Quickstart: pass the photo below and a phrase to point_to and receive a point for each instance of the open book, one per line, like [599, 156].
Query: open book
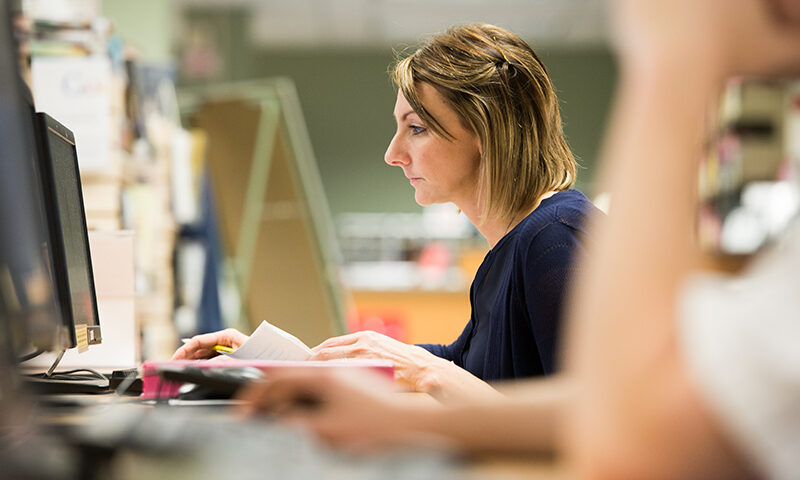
[269, 342]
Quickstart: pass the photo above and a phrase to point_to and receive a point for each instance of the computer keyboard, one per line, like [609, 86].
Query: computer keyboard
[209, 443]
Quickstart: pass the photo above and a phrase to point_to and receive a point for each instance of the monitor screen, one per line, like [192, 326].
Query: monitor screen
[29, 318]
[58, 162]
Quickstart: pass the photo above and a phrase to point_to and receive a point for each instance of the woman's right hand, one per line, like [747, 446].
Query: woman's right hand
[200, 346]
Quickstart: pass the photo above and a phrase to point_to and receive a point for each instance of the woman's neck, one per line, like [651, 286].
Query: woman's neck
[494, 229]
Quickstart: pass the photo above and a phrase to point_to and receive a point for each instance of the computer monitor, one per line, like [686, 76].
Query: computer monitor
[69, 240]
[29, 317]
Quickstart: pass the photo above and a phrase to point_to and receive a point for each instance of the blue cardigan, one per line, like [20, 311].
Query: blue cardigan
[518, 294]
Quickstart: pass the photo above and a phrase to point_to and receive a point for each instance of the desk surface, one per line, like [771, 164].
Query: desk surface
[474, 467]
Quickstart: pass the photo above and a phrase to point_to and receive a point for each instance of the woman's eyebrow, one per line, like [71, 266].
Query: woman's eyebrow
[405, 115]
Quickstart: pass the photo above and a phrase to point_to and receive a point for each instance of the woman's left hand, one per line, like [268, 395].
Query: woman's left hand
[414, 366]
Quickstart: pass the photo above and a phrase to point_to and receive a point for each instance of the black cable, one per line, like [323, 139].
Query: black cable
[94, 373]
[70, 375]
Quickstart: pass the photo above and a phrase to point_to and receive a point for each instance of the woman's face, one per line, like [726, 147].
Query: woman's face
[440, 170]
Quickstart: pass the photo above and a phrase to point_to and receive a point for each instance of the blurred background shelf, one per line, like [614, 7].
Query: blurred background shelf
[412, 315]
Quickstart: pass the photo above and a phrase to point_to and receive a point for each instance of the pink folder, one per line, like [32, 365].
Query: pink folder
[155, 387]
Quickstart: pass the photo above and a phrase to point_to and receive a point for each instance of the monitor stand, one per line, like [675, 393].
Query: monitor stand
[55, 363]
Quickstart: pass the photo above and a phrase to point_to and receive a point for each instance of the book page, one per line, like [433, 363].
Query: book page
[269, 342]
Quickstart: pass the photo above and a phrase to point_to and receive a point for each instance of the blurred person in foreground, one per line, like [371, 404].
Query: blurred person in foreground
[478, 124]
[670, 373]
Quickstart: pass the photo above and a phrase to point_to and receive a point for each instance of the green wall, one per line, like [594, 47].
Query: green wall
[584, 80]
[347, 101]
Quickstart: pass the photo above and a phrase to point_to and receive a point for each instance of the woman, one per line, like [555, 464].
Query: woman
[478, 125]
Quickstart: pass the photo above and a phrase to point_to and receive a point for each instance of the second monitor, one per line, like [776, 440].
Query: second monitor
[58, 164]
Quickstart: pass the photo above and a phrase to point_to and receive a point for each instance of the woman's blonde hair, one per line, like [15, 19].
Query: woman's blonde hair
[500, 89]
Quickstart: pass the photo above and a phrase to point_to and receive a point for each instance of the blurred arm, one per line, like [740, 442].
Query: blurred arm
[637, 415]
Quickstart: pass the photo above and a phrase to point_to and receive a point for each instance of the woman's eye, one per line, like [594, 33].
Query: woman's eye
[416, 130]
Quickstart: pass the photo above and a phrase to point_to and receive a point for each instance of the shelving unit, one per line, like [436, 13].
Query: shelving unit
[748, 182]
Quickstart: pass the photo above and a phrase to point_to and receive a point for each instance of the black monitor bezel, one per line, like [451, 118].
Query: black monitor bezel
[44, 123]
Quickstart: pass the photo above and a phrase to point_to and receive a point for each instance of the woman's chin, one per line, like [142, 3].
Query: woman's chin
[422, 200]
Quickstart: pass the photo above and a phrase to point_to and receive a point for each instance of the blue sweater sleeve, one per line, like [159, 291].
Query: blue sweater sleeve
[545, 278]
[442, 351]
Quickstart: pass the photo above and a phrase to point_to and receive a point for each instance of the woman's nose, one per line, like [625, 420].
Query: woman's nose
[395, 153]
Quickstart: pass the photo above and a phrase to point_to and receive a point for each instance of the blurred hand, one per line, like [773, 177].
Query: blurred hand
[350, 409]
[199, 346]
[725, 37]
[415, 367]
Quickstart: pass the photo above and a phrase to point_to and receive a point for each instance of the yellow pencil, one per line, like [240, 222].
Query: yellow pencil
[222, 349]
[216, 348]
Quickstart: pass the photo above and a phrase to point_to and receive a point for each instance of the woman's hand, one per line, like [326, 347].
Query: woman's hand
[199, 346]
[415, 367]
[350, 409]
[724, 37]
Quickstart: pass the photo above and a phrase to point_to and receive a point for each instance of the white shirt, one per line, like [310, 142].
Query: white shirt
[741, 341]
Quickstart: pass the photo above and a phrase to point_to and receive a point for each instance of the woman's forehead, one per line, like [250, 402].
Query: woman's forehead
[430, 99]
[435, 103]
